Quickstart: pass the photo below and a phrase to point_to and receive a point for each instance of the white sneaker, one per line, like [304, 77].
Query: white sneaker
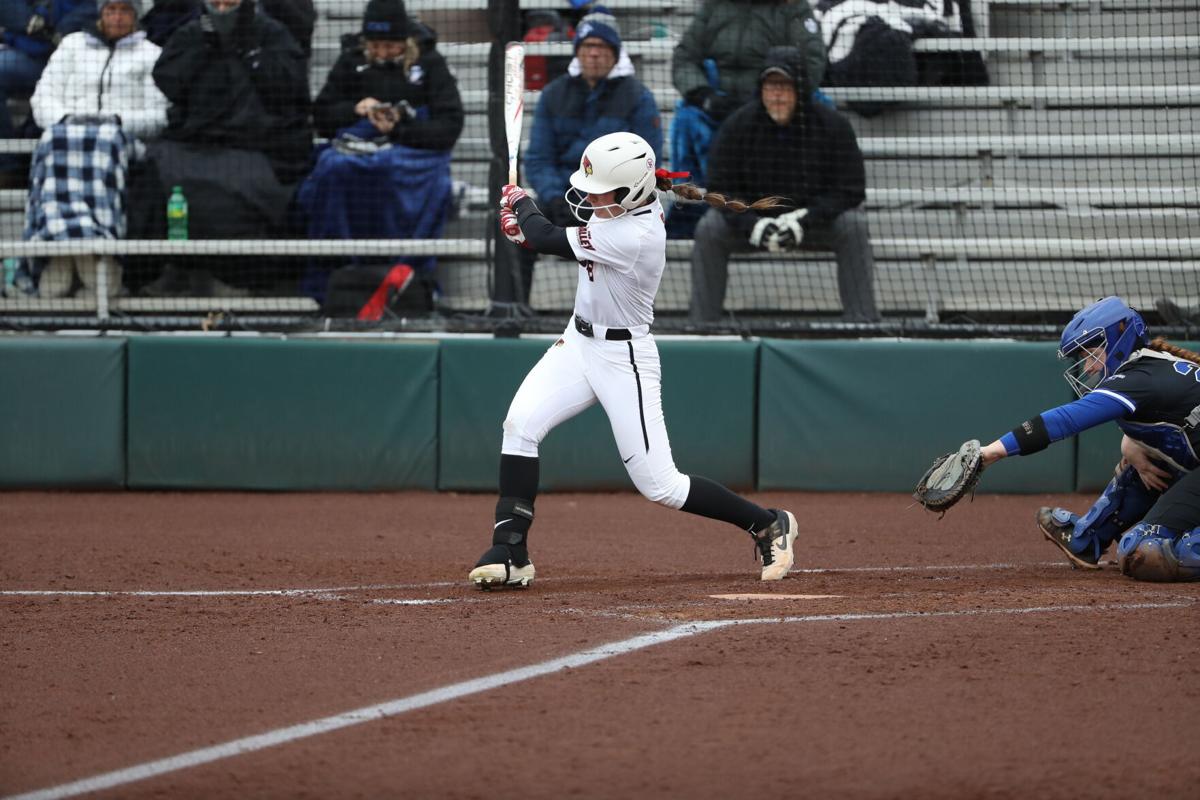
[489, 576]
[774, 546]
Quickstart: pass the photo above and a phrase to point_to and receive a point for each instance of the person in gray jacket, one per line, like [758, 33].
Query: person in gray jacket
[715, 68]
[734, 36]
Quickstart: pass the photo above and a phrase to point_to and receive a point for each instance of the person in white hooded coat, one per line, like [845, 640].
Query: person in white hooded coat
[97, 101]
[103, 72]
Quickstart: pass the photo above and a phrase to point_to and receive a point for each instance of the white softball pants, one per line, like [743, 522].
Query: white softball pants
[624, 377]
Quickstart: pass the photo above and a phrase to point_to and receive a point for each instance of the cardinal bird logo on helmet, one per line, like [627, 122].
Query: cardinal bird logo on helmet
[587, 166]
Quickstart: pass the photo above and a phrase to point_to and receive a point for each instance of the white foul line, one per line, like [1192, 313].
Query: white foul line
[333, 590]
[455, 691]
[217, 592]
[928, 567]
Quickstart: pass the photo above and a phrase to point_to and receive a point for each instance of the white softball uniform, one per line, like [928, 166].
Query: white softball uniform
[621, 261]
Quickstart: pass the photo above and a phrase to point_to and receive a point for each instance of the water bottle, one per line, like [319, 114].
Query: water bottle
[10, 272]
[177, 214]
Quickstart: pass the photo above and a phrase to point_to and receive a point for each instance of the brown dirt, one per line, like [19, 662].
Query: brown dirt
[959, 697]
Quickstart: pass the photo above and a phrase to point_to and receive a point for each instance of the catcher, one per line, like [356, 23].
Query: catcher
[1151, 389]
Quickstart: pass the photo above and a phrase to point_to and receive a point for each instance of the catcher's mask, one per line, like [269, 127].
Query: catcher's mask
[1098, 340]
[620, 162]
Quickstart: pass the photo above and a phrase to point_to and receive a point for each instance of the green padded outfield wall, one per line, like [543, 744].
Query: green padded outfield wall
[278, 414]
[708, 400]
[63, 424]
[871, 415]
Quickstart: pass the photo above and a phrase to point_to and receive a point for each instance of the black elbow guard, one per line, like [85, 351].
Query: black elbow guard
[1032, 436]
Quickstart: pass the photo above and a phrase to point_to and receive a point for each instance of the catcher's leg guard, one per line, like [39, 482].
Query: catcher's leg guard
[1124, 501]
[1158, 554]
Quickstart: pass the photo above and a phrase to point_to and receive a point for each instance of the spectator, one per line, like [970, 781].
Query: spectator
[298, 16]
[95, 99]
[715, 68]
[29, 32]
[237, 140]
[790, 146]
[394, 112]
[598, 95]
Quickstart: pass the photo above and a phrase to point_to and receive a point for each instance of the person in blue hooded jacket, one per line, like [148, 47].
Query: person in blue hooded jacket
[29, 32]
[598, 95]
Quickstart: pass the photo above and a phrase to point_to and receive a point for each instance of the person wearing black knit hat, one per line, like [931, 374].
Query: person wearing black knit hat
[385, 20]
[392, 110]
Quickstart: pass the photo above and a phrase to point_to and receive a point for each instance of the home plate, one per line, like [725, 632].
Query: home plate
[776, 596]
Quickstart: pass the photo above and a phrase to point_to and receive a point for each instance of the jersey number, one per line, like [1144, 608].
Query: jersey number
[1187, 368]
[591, 269]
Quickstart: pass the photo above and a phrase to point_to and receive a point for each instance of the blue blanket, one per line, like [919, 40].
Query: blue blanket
[397, 192]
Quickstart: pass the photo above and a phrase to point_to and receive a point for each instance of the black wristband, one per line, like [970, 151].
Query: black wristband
[1032, 436]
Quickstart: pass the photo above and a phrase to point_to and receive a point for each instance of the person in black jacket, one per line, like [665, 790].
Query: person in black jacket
[238, 139]
[806, 153]
[167, 16]
[393, 113]
[396, 80]
[236, 78]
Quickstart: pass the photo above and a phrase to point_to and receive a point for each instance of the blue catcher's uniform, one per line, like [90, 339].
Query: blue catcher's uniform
[1154, 397]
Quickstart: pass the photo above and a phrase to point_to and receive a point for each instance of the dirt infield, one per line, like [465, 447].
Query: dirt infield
[957, 658]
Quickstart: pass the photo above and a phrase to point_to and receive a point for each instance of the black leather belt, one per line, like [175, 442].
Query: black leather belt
[612, 334]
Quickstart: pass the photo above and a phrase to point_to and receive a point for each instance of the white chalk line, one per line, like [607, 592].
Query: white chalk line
[334, 591]
[456, 691]
[929, 568]
[330, 592]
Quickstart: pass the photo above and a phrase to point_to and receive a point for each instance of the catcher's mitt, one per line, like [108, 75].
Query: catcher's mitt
[950, 477]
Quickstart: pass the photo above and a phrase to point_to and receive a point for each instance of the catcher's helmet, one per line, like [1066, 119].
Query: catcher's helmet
[620, 162]
[1108, 326]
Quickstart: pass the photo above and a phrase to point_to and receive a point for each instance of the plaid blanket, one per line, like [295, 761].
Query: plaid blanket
[77, 182]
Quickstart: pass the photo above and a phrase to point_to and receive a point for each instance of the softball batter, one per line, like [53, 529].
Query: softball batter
[607, 355]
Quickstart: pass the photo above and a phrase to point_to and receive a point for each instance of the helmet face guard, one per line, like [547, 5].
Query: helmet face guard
[1090, 366]
[1100, 338]
[584, 211]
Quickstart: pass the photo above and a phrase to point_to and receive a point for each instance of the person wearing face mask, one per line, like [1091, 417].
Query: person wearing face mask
[96, 101]
[393, 112]
[237, 140]
[167, 16]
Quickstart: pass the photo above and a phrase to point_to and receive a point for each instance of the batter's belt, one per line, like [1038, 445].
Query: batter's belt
[589, 330]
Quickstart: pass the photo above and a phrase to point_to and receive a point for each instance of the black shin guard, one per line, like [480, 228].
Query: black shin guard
[514, 515]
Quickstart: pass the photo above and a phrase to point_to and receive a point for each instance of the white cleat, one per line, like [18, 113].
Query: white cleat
[490, 576]
[774, 545]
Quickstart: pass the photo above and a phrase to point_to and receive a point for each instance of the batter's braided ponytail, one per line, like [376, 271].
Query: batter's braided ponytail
[1161, 345]
[689, 191]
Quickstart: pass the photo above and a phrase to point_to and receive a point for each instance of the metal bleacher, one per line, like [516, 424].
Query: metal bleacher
[1075, 168]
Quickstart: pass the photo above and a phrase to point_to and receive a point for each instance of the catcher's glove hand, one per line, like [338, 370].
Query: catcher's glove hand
[950, 477]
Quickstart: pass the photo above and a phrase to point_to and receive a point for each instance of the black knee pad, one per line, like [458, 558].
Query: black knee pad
[514, 515]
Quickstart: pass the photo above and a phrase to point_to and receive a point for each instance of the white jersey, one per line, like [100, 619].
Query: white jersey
[621, 262]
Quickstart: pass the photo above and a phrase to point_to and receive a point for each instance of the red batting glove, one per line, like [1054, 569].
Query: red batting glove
[511, 228]
[509, 195]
